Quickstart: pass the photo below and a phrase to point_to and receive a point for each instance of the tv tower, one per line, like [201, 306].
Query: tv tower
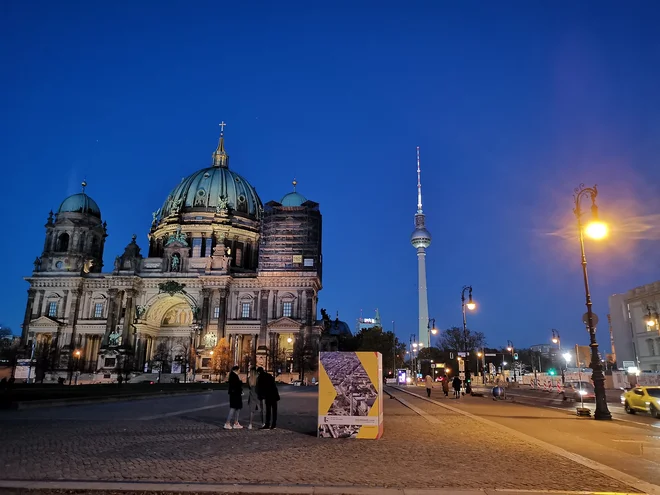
[421, 239]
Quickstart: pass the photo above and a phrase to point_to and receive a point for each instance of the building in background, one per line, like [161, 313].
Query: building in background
[367, 323]
[218, 265]
[421, 239]
[636, 342]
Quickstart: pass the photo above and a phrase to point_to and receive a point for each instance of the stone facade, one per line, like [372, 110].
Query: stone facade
[217, 266]
[634, 341]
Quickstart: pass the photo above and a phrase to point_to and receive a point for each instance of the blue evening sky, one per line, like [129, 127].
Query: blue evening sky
[512, 103]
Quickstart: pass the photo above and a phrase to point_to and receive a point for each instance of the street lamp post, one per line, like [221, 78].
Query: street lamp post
[509, 347]
[596, 230]
[476, 368]
[432, 330]
[289, 341]
[471, 306]
[556, 339]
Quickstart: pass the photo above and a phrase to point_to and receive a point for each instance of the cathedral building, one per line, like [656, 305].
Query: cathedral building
[219, 264]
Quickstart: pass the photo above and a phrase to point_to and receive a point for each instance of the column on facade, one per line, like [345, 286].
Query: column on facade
[109, 322]
[204, 312]
[149, 350]
[309, 296]
[274, 313]
[253, 350]
[28, 315]
[42, 302]
[62, 310]
[128, 318]
[263, 329]
[222, 317]
[95, 350]
[73, 315]
[299, 309]
[86, 351]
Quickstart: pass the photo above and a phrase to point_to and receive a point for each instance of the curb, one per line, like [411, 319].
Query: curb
[37, 404]
[239, 489]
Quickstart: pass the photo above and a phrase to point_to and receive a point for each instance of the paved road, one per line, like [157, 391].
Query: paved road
[544, 399]
[180, 439]
[633, 449]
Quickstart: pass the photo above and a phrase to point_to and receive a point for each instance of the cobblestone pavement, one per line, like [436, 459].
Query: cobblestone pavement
[457, 453]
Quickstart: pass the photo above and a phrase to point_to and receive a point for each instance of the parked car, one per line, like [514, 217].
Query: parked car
[578, 391]
[146, 378]
[642, 399]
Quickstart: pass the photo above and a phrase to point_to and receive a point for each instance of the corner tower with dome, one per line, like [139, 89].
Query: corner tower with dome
[218, 265]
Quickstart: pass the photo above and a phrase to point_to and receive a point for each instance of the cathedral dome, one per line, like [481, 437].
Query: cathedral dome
[80, 203]
[293, 198]
[213, 189]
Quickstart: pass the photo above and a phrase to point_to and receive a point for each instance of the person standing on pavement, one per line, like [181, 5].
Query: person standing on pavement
[267, 390]
[429, 385]
[445, 385]
[235, 389]
[456, 384]
[254, 404]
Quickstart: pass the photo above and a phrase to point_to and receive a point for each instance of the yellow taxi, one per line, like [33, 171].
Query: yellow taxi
[642, 399]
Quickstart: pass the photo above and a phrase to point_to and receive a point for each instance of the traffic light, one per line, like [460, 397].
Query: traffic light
[552, 372]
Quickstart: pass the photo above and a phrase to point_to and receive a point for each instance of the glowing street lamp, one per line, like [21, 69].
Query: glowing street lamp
[556, 339]
[567, 357]
[596, 230]
[509, 347]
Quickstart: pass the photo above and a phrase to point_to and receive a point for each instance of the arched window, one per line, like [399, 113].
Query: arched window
[63, 242]
[649, 343]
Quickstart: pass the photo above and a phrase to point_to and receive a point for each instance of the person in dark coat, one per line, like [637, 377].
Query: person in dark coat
[456, 385]
[267, 390]
[235, 389]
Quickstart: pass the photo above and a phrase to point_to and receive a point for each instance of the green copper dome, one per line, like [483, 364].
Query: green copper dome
[293, 199]
[215, 189]
[80, 203]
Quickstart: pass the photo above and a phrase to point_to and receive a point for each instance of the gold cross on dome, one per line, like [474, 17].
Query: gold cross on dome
[222, 127]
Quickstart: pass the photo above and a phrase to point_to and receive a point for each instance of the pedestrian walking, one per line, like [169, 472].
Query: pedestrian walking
[445, 386]
[456, 384]
[429, 385]
[254, 404]
[235, 389]
[267, 390]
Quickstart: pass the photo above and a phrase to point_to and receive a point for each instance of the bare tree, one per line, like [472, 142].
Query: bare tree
[163, 355]
[221, 359]
[183, 344]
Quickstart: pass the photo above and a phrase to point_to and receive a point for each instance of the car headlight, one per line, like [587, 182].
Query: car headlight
[582, 392]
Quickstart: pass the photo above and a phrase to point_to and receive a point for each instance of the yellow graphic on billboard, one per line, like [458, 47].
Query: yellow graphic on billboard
[350, 395]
